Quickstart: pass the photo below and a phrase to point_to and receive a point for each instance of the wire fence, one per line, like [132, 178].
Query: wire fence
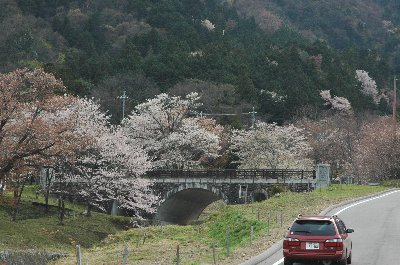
[182, 252]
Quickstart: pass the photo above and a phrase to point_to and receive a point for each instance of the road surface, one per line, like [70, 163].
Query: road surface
[376, 240]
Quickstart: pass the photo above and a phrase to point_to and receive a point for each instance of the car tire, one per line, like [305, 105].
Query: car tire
[287, 262]
[343, 262]
[349, 259]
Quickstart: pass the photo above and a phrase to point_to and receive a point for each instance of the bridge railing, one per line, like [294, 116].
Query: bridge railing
[233, 174]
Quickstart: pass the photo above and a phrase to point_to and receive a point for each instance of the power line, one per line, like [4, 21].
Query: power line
[252, 113]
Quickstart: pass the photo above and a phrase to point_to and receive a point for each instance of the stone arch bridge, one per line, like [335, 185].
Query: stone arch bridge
[186, 193]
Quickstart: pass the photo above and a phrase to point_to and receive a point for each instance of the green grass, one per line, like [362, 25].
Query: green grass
[36, 229]
[238, 225]
[102, 237]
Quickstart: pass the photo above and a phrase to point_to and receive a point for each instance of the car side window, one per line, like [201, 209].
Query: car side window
[341, 227]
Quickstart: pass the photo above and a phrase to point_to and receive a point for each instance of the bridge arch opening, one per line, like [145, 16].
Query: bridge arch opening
[259, 195]
[185, 206]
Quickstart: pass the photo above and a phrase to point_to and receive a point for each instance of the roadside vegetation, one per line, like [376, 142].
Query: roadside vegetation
[102, 237]
[36, 231]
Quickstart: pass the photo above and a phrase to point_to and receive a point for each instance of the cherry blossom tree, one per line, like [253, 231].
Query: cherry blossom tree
[24, 132]
[208, 25]
[335, 103]
[105, 166]
[39, 126]
[332, 138]
[271, 146]
[170, 137]
[27, 137]
[377, 152]
[368, 85]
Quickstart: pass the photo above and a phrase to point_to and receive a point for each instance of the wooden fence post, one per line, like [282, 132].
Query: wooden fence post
[177, 255]
[251, 235]
[144, 237]
[214, 256]
[78, 255]
[227, 240]
[125, 254]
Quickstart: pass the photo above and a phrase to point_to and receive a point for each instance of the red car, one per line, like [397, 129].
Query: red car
[318, 238]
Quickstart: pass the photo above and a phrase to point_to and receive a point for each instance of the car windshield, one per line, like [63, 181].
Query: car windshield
[313, 228]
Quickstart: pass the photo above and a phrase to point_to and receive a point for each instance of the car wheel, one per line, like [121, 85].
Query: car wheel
[343, 262]
[287, 262]
[349, 259]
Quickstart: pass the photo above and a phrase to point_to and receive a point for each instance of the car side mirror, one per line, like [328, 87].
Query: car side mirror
[348, 231]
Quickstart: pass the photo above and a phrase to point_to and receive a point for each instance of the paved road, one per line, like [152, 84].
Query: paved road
[376, 240]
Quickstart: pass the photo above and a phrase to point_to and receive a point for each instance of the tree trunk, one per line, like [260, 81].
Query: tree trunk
[17, 199]
[46, 200]
[89, 209]
[62, 211]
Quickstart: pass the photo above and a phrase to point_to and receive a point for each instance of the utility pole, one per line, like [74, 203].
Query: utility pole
[253, 118]
[123, 98]
[394, 103]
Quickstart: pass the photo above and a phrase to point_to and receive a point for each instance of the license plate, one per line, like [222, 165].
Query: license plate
[312, 245]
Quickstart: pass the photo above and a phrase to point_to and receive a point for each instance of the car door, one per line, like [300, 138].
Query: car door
[344, 235]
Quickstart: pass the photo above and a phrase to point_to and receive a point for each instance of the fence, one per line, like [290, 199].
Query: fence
[180, 253]
[229, 174]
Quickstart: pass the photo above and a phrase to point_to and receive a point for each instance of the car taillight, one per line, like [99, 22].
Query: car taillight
[290, 242]
[336, 243]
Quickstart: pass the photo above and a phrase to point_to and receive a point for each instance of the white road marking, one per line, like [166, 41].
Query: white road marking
[348, 207]
[278, 262]
[367, 200]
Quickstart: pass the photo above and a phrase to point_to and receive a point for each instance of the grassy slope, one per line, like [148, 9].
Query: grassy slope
[196, 241]
[35, 229]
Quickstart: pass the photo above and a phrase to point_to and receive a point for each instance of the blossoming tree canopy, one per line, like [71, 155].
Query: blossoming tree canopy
[170, 137]
[105, 163]
[271, 146]
[39, 125]
[25, 133]
[368, 85]
[340, 104]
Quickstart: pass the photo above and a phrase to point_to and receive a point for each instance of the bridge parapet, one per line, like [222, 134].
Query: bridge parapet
[232, 175]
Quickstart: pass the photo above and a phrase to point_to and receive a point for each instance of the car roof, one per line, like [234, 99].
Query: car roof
[316, 217]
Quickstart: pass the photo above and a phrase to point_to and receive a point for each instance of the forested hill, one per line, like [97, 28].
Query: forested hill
[274, 55]
[368, 24]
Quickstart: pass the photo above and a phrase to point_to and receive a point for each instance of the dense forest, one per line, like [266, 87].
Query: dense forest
[275, 56]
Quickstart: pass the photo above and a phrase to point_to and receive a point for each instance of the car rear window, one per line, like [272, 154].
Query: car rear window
[313, 228]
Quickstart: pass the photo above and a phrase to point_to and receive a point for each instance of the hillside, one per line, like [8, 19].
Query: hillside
[365, 24]
[237, 54]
